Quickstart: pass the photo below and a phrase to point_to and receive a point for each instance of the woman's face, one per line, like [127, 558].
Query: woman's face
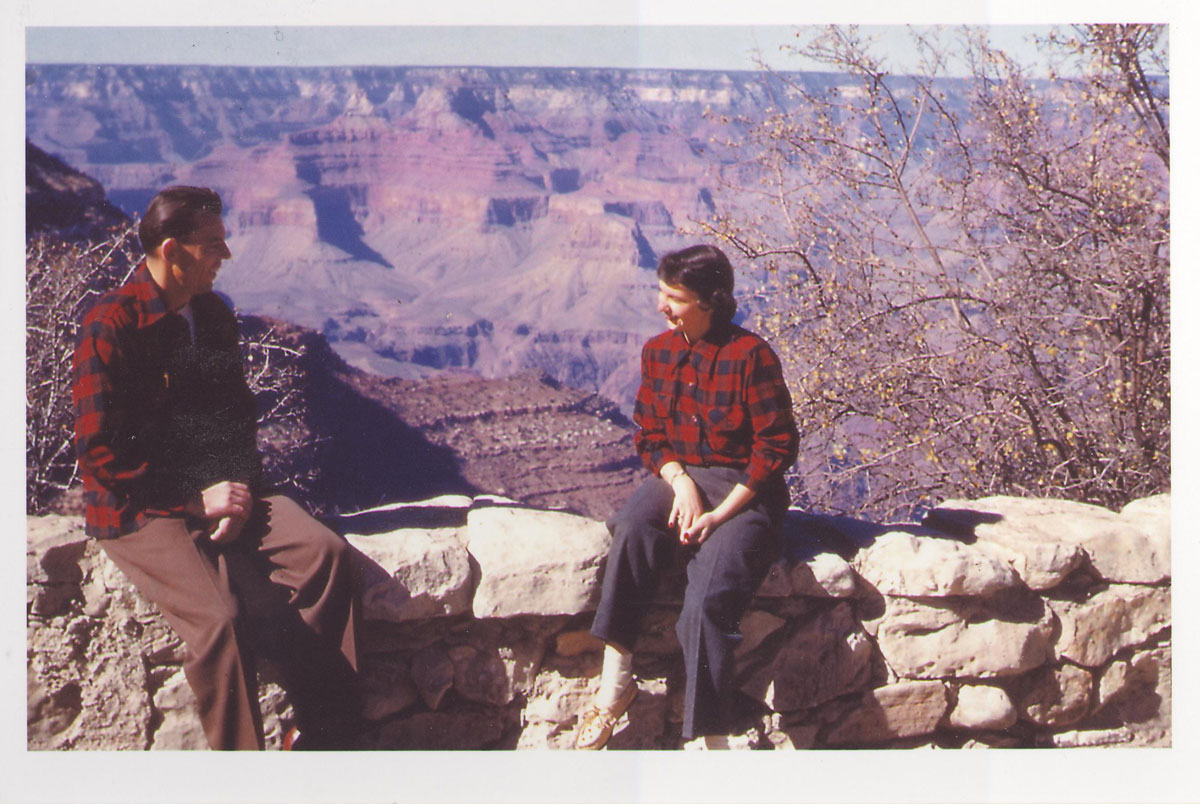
[683, 310]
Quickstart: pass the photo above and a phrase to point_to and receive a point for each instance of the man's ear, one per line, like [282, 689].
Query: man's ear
[169, 250]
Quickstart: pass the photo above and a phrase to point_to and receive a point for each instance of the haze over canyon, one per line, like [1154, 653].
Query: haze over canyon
[493, 220]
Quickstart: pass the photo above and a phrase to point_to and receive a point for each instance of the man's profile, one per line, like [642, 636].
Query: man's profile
[165, 433]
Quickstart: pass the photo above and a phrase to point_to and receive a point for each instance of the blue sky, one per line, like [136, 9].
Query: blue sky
[682, 34]
[721, 47]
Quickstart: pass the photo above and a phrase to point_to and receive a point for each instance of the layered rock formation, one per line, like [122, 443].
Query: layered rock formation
[63, 201]
[997, 623]
[496, 220]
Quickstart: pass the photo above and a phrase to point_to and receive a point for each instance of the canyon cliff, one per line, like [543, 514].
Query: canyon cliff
[493, 220]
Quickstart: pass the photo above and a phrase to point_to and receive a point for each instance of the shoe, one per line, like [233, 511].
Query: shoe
[596, 725]
[290, 739]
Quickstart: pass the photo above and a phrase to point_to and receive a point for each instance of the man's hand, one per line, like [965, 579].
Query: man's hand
[227, 498]
[227, 530]
[228, 503]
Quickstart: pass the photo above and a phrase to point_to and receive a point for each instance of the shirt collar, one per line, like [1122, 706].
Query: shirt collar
[152, 304]
[708, 344]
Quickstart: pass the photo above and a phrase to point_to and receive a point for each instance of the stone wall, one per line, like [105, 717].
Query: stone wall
[999, 622]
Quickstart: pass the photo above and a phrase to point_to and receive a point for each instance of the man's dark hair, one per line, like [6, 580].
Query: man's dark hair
[176, 212]
[705, 271]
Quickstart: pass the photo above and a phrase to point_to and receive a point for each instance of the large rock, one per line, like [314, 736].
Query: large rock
[756, 626]
[825, 575]
[926, 565]
[495, 663]
[535, 562]
[1153, 514]
[1132, 547]
[479, 675]
[1139, 696]
[54, 546]
[180, 728]
[1057, 696]
[433, 675]
[981, 707]
[91, 681]
[387, 687]
[558, 699]
[825, 657]
[413, 573]
[1123, 680]
[959, 638]
[50, 713]
[904, 709]
[1115, 618]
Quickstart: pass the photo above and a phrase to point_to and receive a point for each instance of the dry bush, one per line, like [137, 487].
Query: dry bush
[62, 281]
[276, 375]
[967, 281]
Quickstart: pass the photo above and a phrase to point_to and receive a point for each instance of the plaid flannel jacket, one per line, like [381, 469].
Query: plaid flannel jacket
[158, 417]
[719, 402]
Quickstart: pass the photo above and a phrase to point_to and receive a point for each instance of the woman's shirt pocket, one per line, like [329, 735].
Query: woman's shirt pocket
[727, 429]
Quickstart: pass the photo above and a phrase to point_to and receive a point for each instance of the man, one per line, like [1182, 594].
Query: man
[165, 435]
[717, 431]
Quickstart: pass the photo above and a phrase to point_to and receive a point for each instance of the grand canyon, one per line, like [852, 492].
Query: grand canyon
[497, 221]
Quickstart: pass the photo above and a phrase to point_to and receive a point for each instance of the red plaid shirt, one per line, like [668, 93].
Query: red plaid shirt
[157, 417]
[718, 402]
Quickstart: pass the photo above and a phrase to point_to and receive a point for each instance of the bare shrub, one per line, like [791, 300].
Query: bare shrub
[276, 375]
[968, 288]
[63, 279]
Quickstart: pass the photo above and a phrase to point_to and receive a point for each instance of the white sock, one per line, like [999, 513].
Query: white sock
[616, 675]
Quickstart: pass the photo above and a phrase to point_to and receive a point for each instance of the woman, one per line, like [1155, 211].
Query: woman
[716, 429]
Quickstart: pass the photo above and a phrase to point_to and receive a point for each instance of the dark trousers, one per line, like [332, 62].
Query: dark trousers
[282, 590]
[722, 576]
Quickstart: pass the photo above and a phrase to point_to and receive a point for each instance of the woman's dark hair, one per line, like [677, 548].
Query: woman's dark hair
[176, 212]
[705, 271]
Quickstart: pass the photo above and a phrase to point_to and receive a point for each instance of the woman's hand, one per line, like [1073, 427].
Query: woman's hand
[706, 523]
[688, 505]
[702, 527]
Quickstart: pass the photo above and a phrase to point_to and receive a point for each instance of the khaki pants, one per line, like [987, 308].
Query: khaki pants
[282, 590]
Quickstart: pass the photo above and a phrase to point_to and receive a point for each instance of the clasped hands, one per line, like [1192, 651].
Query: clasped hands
[229, 503]
[687, 512]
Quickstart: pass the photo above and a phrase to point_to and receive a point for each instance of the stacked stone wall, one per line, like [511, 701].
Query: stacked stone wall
[1000, 622]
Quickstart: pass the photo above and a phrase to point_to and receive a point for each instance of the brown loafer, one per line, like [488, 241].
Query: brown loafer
[596, 725]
